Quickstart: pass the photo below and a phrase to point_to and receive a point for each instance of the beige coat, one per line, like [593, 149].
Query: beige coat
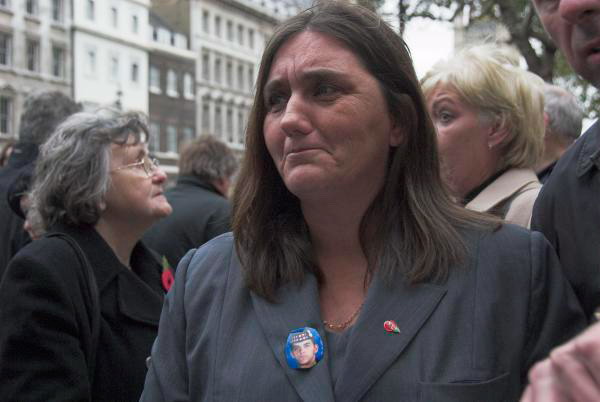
[511, 196]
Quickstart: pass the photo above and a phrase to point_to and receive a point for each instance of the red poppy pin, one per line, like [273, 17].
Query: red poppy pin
[167, 275]
[391, 326]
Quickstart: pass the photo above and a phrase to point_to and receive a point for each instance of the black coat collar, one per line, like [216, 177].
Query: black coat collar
[191, 180]
[140, 292]
[589, 154]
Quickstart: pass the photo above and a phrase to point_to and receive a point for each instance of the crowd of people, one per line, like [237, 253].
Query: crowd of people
[373, 244]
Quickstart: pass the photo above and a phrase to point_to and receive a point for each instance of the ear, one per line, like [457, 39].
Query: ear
[497, 134]
[396, 135]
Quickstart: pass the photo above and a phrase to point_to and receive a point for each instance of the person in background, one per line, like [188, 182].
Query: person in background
[201, 210]
[568, 213]
[42, 112]
[568, 210]
[20, 202]
[488, 113]
[563, 118]
[337, 211]
[79, 307]
[6, 151]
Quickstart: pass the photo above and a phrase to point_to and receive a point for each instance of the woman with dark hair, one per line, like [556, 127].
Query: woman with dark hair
[342, 225]
[79, 307]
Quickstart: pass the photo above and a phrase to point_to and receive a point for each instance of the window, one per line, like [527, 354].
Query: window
[91, 62]
[205, 118]
[240, 117]
[5, 114]
[113, 74]
[31, 7]
[218, 70]
[33, 55]
[114, 17]
[240, 77]
[135, 24]
[91, 10]
[188, 135]
[229, 123]
[154, 34]
[172, 83]
[205, 66]
[57, 10]
[205, 19]
[154, 140]
[5, 49]
[154, 79]
[135, 72]
[230, 31]
[58, 61]
[240, 34]
[251, 38]
[188, 86]
[218, 121]
[4, 3]
[218, 26]
[171, 139]
[250, 78]
[229, 74]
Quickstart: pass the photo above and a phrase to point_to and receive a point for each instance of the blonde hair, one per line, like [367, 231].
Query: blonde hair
[489, 79]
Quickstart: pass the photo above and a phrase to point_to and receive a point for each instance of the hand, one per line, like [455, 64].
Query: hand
[571, 373]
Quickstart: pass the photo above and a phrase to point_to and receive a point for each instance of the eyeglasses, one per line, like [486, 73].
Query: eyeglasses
[149, 165]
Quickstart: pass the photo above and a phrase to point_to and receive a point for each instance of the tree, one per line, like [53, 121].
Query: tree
[525, 32]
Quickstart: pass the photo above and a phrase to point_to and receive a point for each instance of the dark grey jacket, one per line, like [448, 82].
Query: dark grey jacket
[199, 214]
[471, 339]
[567, 212]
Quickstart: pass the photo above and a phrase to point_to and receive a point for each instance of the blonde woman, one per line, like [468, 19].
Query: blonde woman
[489, 116]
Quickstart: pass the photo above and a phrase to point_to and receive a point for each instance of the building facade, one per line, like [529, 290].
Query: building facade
[110, 44]
[172, 93]
[35, 55]
[228, 38]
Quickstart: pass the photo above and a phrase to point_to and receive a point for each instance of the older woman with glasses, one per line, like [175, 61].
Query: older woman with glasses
[80, 307]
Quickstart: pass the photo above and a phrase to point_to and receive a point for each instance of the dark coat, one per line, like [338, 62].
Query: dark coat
[471, 339]
[567, 211]
[199, 214]
[12, 235]
[46, 321]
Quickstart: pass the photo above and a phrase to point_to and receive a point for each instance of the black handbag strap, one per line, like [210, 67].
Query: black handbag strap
[90, 276]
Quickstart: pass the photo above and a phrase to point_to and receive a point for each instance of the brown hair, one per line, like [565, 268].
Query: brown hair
[416, 223]
[208, 158]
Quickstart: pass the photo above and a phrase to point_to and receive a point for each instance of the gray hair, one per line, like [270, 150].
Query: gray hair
[207, 158]
[42, 112]
[564, 113]
[72, 174]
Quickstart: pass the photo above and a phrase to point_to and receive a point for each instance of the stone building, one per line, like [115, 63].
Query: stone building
[35, 55]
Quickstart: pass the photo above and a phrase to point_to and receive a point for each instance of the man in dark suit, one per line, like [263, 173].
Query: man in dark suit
[568, 213]
[201, 210]
[567, 210]
[42, 113]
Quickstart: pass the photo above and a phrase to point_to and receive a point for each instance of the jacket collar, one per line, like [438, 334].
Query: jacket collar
[502, 188]
[191, 180]
[140, 294]
[589, 154]
[409, 306]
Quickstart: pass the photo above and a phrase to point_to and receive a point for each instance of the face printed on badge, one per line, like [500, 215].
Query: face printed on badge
[304, 348]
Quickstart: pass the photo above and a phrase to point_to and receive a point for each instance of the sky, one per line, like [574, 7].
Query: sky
[429, 41]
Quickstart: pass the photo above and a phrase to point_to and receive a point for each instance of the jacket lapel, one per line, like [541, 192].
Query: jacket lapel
[296, 307]
[371, 350]
[502, 188]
